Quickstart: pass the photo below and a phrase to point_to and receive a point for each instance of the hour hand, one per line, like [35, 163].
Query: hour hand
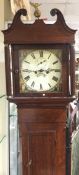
[41, 62]
[27, 70]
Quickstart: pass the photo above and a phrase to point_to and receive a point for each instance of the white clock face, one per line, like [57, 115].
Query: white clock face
[40, 70]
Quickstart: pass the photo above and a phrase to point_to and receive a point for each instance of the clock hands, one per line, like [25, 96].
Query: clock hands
[41, 70]
[41, 62]
[29, 71]
[37, 72]
[49, 70]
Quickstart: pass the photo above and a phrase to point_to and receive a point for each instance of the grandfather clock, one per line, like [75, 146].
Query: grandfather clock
[39, 62]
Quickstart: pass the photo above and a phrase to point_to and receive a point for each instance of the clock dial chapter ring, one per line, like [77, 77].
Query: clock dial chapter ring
[41, 71]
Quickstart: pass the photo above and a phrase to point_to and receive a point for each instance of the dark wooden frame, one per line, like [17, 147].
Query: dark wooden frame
[65, 71]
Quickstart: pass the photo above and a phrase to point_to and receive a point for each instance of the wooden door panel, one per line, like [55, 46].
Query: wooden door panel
[42, 151]
[40, 159]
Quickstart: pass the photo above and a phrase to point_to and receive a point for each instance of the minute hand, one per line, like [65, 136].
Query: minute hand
[49, 70]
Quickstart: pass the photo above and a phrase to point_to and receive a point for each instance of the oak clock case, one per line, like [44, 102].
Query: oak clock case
[40, 70]
[40, 80]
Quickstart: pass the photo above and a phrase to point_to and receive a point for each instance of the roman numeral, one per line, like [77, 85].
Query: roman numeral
[49, 85]
[33, 56]
[41, 87]
[55, 62]
[33, 83]
[49, 56]
[27, 78]
[41, 53]
[26, 61]
[25, 70]
[57, 70]
[55, 78]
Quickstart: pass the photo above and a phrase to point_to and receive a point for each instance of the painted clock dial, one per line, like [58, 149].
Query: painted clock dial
[40, 70]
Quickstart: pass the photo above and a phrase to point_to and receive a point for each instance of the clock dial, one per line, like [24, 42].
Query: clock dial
[41, 71]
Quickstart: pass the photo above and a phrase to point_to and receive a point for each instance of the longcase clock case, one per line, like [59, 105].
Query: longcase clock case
[42, 114]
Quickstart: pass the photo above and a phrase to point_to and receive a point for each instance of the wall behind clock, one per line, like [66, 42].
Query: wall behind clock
[3, 102]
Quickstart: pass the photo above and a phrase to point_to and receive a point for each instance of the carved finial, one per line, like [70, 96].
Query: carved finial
[37, 12]
[60, 16]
